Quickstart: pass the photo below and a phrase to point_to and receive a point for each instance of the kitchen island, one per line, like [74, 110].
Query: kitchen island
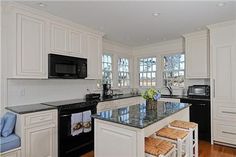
[121, 132]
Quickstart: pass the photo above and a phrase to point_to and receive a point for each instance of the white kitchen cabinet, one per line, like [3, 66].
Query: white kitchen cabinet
[125, 139]
[39, 141]
[38, 132]
[94, 56]
[33, 34]
[26, 45]
[197, 55]
[75, 42]
[223, 81]
[59, 38]
[66, 40]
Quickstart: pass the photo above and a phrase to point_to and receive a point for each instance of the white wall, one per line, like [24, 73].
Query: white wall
[37, 91]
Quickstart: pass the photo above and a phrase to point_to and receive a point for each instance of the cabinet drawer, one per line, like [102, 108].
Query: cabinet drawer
[224, 132]
[223, 112]
[38, 118]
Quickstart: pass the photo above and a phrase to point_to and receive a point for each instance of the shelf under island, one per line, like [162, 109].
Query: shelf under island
[121, 132]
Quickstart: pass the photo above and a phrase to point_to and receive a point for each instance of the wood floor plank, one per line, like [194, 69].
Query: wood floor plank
[205, 150]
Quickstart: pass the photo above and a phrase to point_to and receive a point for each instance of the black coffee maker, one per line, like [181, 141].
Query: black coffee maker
[107, 91]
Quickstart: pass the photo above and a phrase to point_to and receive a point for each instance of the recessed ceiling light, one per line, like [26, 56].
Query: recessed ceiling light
[156, 14]
[42, 5]
[221, 4]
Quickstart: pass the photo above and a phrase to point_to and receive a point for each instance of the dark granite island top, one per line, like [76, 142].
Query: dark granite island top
[23, 109]
[139, 116]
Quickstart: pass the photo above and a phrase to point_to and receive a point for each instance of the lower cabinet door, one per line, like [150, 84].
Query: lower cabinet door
[41, 141]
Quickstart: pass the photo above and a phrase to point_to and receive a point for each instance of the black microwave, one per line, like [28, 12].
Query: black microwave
[66, 67]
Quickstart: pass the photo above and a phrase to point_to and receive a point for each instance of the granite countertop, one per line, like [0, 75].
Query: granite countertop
[23, 109]
[139, 116]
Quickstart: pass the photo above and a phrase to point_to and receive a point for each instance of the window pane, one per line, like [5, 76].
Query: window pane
[182, 65]
[147, 70]
[173, 74]
[123, 70]
[107, 69]
[181, 73]
[182, 58]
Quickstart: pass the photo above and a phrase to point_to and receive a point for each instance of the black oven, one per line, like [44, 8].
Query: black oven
[66, 67]
[74, 146]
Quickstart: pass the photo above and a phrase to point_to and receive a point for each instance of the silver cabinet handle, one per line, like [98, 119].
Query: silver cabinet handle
[228, 112]
[226, 132]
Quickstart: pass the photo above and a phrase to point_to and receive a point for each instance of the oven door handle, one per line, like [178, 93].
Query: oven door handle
[65, 115]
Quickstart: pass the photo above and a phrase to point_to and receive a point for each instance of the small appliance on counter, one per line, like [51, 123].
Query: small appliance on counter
[199, 91]
[107, 91]
[92, 96]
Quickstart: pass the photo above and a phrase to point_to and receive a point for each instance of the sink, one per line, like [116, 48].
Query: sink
[117, 95]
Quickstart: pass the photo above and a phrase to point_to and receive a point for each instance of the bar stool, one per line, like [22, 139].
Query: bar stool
[193, 130]
[159, 148]
[179, 137]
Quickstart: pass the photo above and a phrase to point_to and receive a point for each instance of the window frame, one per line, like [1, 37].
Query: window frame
[138, 64]
[163, 69]
[112, 68]
[129, 71]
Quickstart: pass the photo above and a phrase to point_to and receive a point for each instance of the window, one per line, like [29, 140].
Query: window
[147, 71]
[107, 69]
[174, 70]
[123, 72]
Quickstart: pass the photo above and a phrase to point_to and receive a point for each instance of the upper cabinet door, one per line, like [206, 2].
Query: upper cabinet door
[94, 52]
[75, 42]
[59, 39]
[30, 46]
[197, 55]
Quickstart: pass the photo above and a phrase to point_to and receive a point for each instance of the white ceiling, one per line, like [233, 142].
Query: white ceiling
[132, 23]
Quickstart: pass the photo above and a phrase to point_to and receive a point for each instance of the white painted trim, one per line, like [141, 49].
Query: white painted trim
[170, 46]
[17, 150]
[198, 33]
[221, 24]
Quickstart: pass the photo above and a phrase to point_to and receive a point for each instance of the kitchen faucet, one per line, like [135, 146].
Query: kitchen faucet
[170, 90]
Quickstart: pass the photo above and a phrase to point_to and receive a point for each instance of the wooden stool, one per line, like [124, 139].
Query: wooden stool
[178, 137]
[158, 148]
[193, 130]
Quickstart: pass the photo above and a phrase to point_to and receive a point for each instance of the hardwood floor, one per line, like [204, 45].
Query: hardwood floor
[205, 150]
[208, 150]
